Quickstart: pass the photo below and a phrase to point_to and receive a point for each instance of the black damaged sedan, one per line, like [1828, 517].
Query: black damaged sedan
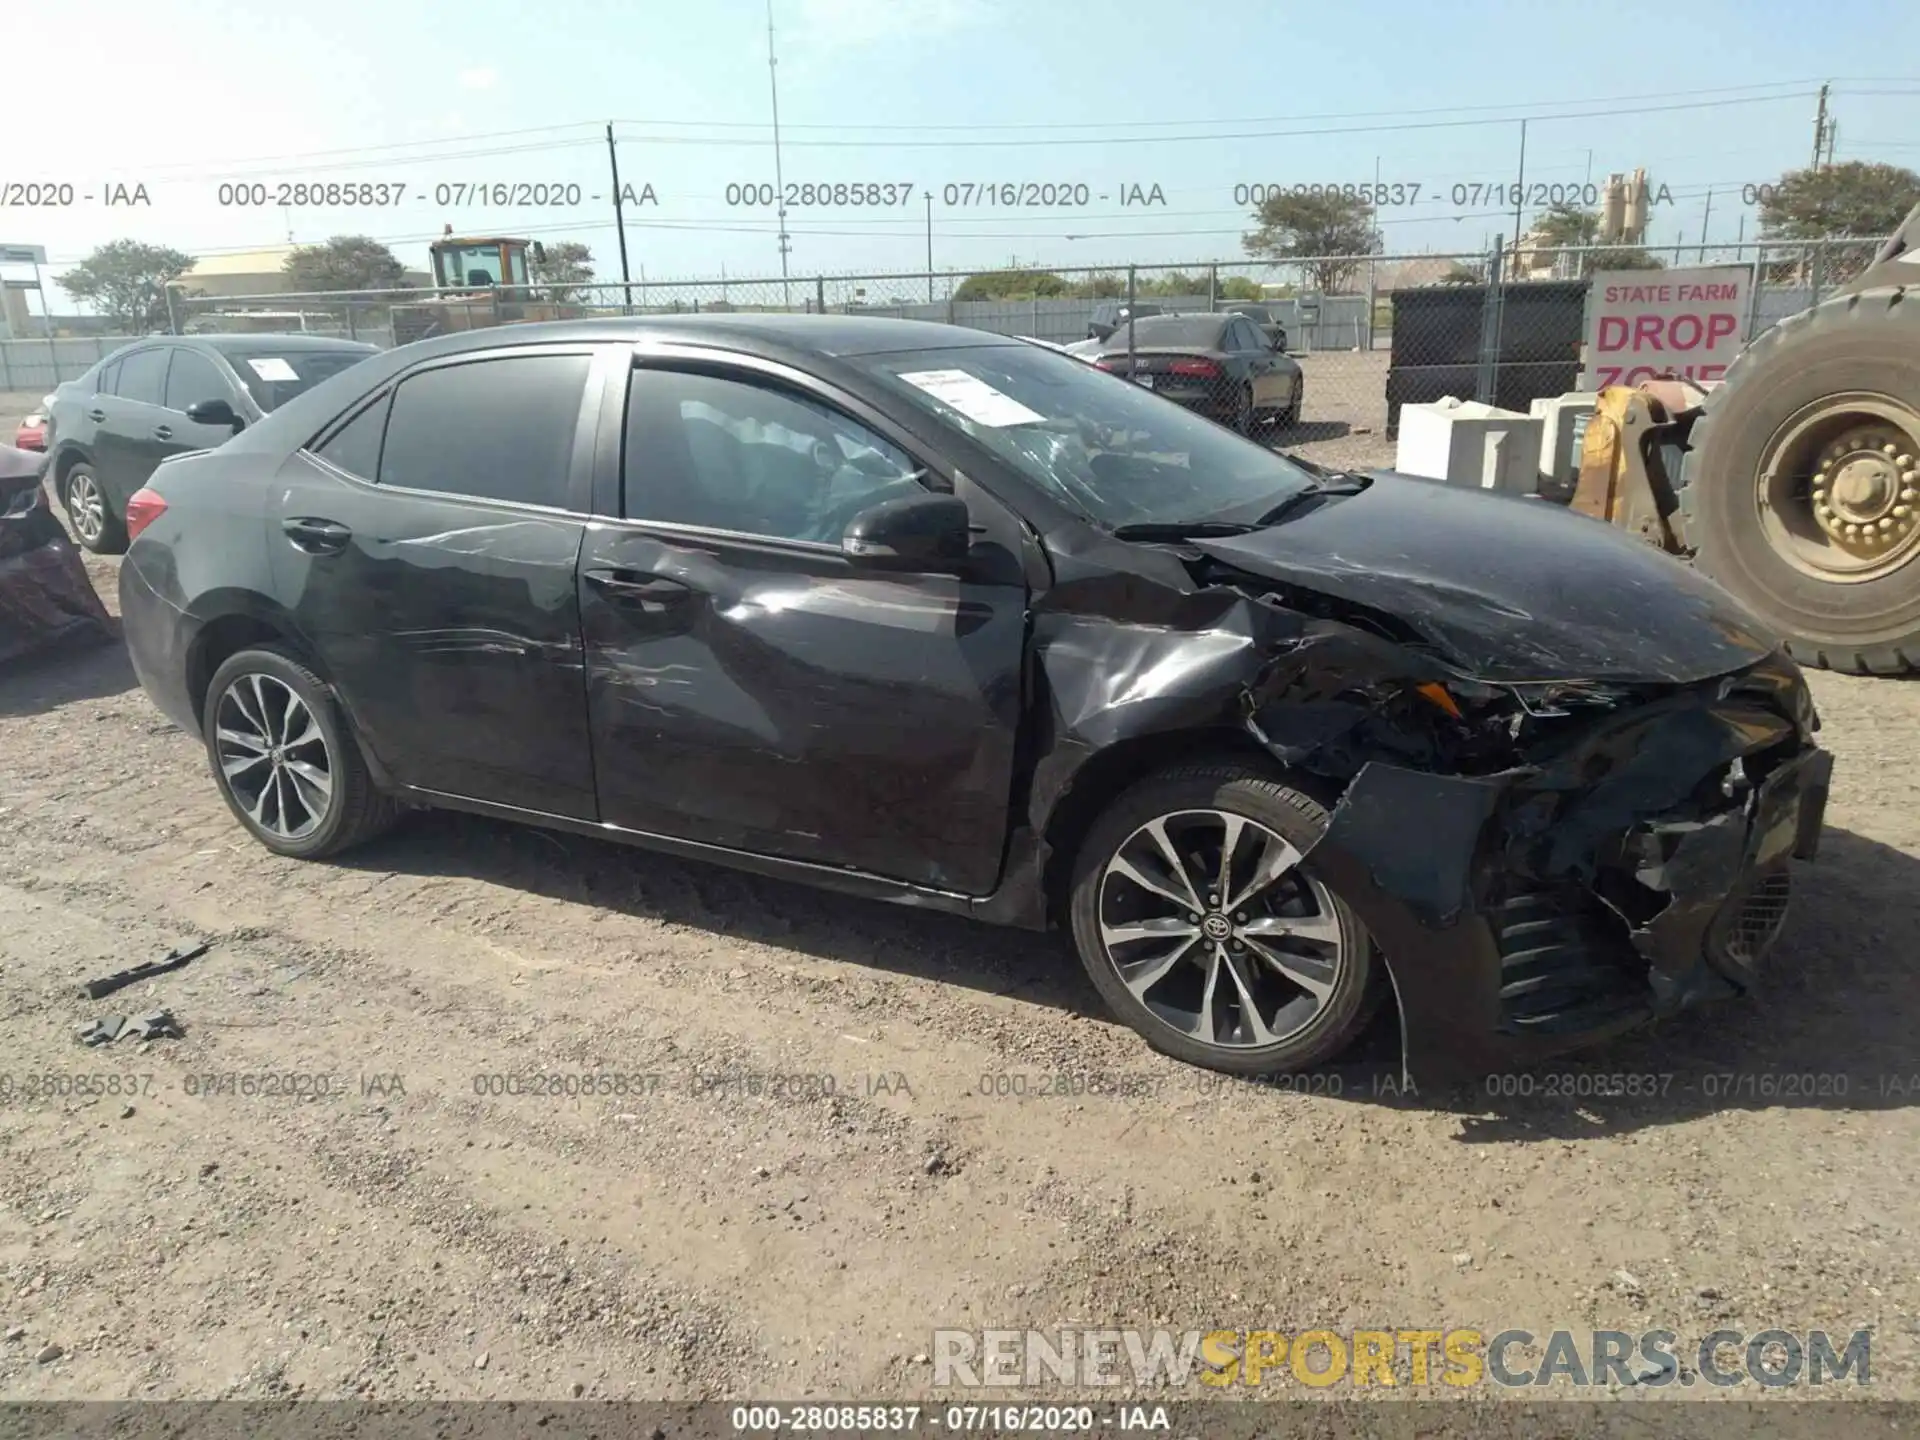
[921, 614]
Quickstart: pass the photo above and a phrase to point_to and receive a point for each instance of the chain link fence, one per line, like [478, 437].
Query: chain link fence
[1317, 353]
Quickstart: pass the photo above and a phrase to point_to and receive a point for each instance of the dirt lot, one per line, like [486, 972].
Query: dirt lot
[407, 1235]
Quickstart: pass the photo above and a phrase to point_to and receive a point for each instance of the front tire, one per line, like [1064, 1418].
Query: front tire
[284, 759]
[95, 525]
[1203, 929]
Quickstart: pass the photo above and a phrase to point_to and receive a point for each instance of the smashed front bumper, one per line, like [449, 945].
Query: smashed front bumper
[1554, 905]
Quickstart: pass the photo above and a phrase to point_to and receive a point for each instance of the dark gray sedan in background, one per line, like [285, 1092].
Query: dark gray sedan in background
[1224, 366]
[164, 396]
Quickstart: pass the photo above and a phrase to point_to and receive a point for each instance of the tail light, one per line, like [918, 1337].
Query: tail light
[1104, 364]
[1203, 368]
[143, 508]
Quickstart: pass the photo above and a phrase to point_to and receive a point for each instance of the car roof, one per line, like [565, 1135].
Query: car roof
[268, 340]
[251, 344]
[827, 336]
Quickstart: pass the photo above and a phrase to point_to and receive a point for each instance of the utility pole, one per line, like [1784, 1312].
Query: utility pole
[1520, 192]
[779, 179]
[929, 247]
[1820, 127]
[1706, 215]
[619, 224]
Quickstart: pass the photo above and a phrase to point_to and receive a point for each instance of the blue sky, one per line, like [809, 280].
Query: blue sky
[930, 93]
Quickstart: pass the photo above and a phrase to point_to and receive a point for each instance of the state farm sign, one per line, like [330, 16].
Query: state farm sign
[1644, 323]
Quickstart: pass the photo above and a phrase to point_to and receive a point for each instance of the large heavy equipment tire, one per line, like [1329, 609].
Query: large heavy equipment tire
[1803, 483]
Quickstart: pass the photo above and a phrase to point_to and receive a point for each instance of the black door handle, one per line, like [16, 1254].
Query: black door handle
[317, 537]
[651, 591]
[96, 414]
[163, 432]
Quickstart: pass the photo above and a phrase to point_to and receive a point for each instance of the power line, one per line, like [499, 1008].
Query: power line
[1531, 107]
[1108, 140]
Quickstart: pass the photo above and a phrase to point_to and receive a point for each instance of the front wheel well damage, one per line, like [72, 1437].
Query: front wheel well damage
[1120, 766]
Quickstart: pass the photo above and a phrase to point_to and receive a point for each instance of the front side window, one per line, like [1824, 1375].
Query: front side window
[731, 454]
[143, 377]
[1110, 450]
[499, 429]
[192, 378]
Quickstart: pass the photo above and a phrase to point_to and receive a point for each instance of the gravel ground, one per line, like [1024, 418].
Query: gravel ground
[406, 1236]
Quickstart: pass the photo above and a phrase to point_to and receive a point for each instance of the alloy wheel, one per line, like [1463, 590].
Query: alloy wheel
[273, 756]
[86, 507]
[1209, 921]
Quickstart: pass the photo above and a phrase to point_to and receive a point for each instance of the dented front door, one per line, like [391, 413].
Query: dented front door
[763, 693]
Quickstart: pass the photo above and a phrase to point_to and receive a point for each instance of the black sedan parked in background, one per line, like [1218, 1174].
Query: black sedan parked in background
[1221, 365]
[161, 397]
[1109, 314]
[1264, 316]
[935, 616]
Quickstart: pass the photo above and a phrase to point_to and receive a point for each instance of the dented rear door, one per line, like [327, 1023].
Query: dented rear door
[427, 546]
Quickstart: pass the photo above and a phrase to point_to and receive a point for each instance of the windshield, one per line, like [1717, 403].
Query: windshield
[273, 377]
[1107, 448]
[1198, 331]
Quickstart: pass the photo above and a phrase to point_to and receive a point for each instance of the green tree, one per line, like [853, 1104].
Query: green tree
[346, 262]
[1104, 286]
[1329, 232]
[1176, 282]
[1012, 285]
[127, 281]
[1458, 274]
[1630, 257]
[1565, 224]
[1854, 198]
[1239, 287]
[567, 266]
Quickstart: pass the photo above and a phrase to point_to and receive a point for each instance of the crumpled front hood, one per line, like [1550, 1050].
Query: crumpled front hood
[1508, 588]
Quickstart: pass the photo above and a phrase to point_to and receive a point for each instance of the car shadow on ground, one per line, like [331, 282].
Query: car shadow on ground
[46, 680]
[630, 881]
[1833, 1027]
[1307, 432]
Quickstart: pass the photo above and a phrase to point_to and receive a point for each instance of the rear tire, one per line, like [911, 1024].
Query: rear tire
[1243, 413]
[1289, 946]
[90, 513]
[1825, 383]
[285, 760]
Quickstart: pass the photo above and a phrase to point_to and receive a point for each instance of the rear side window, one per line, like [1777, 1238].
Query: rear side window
[191, 378]
[355, 446]
[499, 429]
[143, 377]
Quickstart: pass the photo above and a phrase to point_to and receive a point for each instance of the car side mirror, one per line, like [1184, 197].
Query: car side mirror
[917, 532]
[215, 412]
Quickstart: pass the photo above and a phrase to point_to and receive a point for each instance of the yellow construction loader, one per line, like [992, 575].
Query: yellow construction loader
[1795, 481]
[480, 281]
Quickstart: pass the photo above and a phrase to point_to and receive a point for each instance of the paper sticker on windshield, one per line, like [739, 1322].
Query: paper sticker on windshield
[972, 397]
[273, 368]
